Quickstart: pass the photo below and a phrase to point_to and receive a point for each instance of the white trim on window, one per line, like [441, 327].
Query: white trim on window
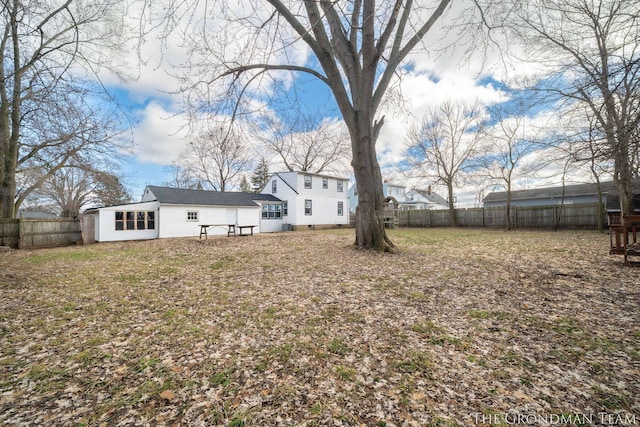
[192, 216]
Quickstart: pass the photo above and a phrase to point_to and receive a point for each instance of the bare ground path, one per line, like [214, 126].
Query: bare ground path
[463, 327]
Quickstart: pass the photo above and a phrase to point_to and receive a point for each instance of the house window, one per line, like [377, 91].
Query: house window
[307, 207]
[340, 188]
[271, 211]
[355, 190]
[192, 216]
[131, 220]
[340, 208]
[285, 208]
[325, 183]
[274, 186]
[307, 181]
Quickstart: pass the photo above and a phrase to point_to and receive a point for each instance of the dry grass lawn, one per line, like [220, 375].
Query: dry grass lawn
[463, 327]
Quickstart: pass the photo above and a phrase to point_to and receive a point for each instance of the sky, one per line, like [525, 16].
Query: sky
[158, 113]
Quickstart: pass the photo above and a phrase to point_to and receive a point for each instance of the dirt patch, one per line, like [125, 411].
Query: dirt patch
[463, 327]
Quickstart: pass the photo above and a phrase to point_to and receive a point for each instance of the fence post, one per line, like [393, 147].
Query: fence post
[20, 235]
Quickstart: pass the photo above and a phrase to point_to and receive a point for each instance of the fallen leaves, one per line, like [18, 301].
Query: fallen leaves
[299, 328]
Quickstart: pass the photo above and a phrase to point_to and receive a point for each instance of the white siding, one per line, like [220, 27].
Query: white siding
[105, 227]
[173, 219]
[269, 225]
[324, 201]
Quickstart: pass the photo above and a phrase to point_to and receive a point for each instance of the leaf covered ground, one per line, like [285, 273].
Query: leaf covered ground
[462, 327]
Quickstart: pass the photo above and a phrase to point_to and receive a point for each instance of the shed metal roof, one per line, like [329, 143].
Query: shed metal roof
[550, 192]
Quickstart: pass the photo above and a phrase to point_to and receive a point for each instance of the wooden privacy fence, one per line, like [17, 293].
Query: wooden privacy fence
[39, 233]
[583, 216]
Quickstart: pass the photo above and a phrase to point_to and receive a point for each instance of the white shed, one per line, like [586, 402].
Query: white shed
[174, 212]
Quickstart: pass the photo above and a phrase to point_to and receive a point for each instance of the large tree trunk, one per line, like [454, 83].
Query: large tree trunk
[622, 172]
[7, 195]
[370, 231]
[9, 158]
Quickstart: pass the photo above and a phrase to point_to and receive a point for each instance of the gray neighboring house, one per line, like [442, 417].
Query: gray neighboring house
[35, 215]
[569, 195]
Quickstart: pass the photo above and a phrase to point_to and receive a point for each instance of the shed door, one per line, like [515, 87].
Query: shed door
[232, 216]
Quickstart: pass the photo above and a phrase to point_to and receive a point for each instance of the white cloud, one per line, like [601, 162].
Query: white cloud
[159, 136]
[434, 78]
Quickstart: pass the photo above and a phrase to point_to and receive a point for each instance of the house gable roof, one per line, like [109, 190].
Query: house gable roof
[285, 181]
[181, 196]
[426, 196]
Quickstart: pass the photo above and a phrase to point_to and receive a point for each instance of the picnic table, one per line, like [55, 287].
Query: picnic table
[244, 227]
[231, 229]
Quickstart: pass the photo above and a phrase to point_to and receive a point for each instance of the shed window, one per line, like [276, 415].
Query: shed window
[132, 220]
[119, 220]
[192, 216]
[151, 220]
[140, 221]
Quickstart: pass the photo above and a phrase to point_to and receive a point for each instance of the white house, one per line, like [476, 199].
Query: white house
[407, 200]
[310, 200]
[174, 212]
[422, 199]
[388, 190]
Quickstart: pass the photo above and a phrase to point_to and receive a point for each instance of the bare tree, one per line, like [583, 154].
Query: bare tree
[356, 48]
[71, 188]
[72, 131]
[217, 158]
[593, 46]
[181, 176]
[506, 143]
[108, 189]
[308, 144]
[589, 147]
[39, 43]
[443, 146]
